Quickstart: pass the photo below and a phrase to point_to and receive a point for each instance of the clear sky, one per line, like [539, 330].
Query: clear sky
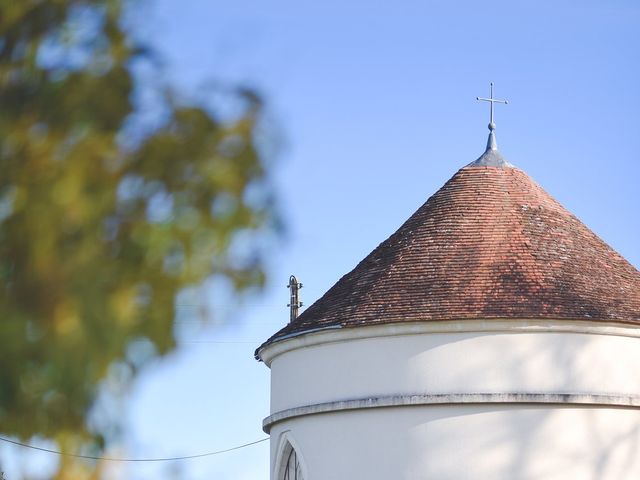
[374, 104]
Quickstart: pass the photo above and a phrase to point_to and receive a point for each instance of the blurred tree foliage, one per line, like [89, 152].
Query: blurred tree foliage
[104, 222]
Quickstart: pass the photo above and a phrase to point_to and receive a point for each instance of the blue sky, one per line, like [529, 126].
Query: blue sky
[375, 106]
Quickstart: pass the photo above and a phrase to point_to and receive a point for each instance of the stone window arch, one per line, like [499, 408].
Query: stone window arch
[290, 464]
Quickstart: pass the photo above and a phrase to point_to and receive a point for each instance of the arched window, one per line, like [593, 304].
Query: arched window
[290, 468]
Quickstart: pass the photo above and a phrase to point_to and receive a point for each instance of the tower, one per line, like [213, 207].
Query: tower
[492, 336]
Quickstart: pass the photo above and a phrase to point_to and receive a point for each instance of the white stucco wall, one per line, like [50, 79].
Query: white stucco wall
[479, 441]
[456, 362]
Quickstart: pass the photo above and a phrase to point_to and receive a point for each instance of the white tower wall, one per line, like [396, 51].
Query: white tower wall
[459, 400]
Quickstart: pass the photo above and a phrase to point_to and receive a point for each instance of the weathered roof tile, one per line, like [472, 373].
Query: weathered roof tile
[490, 243]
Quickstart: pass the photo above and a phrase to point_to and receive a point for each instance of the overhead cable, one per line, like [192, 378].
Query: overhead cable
[109, 459]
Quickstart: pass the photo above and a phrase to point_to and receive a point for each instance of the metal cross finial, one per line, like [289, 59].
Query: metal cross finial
[491, 100]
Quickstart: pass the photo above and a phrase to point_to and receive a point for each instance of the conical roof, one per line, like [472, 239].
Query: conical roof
[490, 244]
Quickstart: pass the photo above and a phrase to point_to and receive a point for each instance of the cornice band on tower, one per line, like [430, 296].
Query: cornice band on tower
[572, 399]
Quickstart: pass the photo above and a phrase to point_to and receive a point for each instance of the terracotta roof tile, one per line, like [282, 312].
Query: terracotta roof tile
[490, 243]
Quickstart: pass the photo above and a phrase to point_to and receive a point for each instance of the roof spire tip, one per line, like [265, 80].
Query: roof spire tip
[491, 141]
[491, 157]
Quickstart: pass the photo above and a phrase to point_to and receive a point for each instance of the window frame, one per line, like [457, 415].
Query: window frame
[288, 447]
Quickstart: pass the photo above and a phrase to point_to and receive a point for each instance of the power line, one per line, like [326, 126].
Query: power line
[167, 459]
[257, 342]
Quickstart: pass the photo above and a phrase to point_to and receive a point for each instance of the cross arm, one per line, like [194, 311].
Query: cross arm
[492, 100]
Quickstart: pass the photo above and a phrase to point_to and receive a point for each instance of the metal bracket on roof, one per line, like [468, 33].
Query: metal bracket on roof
[295, 303]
